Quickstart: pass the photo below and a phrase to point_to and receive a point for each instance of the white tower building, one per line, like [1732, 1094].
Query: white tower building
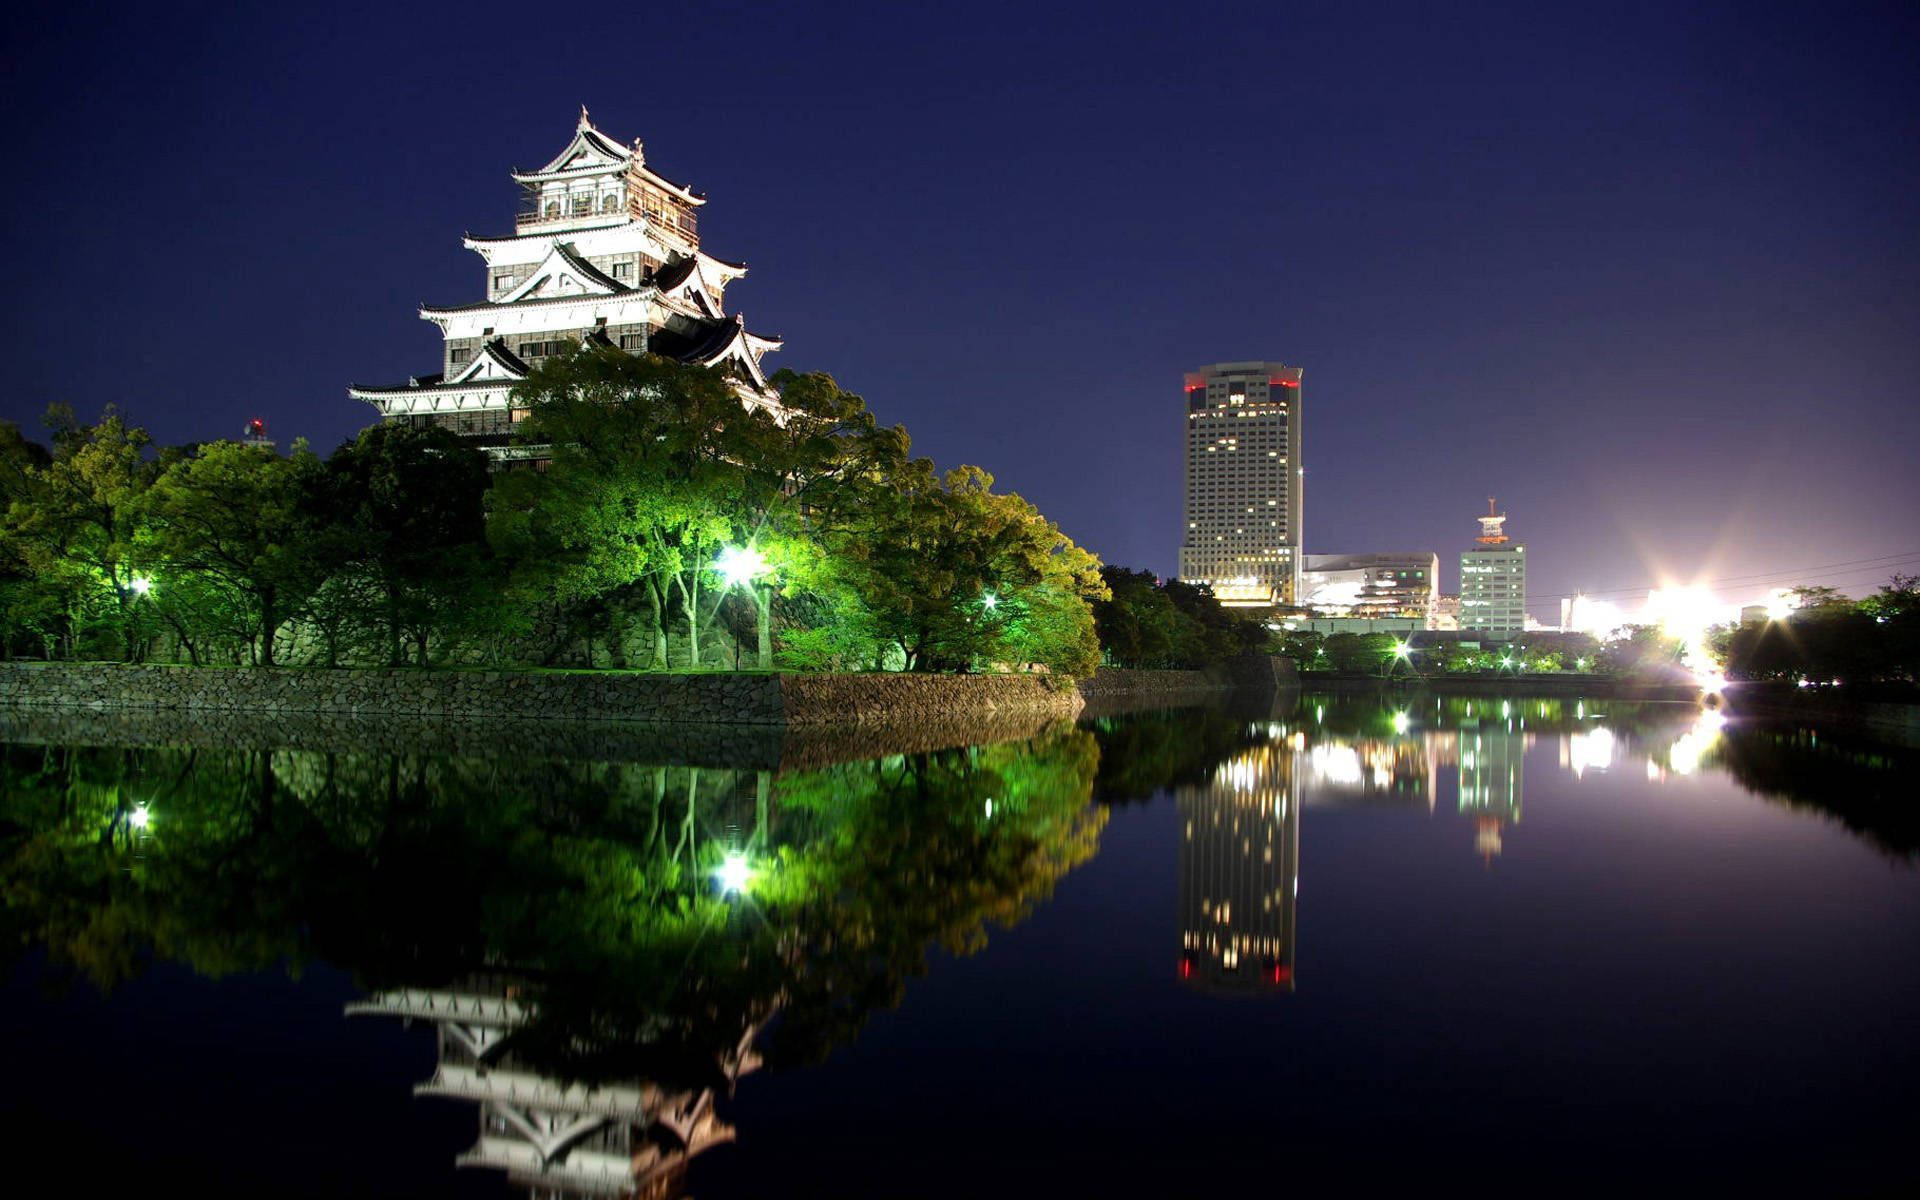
[1493, 580]
[604, 249]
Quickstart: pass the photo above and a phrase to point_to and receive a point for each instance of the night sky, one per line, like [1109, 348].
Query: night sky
[1647, 273]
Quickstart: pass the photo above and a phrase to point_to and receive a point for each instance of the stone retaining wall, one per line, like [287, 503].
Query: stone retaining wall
[1127, 681]
[709, 699]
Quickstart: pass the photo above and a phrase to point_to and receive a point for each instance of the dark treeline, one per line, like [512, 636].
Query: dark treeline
[1830, 638]
[653, 522]
[1147, 623]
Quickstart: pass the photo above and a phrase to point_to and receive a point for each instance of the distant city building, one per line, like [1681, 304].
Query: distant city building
[1493, 580]
[1371, 585]
[1241, 532]
[1446, 612]
[254, 434]
[604, 250]
[1240, 872]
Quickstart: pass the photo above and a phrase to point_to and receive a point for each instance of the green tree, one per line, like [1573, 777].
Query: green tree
[241, 517]
[405, 509]
[644, 487]
[75, 523]
[955, 575]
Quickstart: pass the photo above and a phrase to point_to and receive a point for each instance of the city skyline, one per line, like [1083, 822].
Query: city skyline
[1640, 275]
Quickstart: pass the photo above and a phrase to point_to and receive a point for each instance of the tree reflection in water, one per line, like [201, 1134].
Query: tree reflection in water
[592, 985]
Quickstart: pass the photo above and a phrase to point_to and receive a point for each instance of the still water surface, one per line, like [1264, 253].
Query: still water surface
[1519, 945]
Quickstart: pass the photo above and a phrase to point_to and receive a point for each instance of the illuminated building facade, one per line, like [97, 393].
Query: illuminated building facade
[1239, 873]
[605, 250]
[1371, 585]
[1243, 484]
[1493, 580]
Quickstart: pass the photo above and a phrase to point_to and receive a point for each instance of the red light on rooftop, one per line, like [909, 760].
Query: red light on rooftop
[1293, 383]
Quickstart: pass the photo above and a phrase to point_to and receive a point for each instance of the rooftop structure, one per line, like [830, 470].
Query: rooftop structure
[604, 249]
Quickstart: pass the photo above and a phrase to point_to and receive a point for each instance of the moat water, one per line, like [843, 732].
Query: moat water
[1516, 945]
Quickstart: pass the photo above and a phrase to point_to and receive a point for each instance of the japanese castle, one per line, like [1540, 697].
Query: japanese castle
[605, 250]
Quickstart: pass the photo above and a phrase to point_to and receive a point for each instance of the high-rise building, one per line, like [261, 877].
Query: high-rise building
[1493, 580]
[1371, 585]
[1241, 533]
[604, 250]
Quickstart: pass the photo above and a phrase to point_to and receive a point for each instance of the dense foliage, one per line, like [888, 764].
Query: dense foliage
[1830, 638]
[1147, 623]
[651, 521]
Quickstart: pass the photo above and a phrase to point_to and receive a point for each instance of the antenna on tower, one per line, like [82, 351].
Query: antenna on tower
[1490, 531]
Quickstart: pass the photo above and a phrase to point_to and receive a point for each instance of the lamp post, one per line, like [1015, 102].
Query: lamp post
[742, 566]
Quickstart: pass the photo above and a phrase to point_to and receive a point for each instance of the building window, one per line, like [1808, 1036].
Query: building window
[609, 203]
[633, 341]
[552, 209]
[582, 205]
[622, 270]
[503, 281]
[458, 355]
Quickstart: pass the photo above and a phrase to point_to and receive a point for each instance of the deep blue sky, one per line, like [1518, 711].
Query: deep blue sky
[1645, 272]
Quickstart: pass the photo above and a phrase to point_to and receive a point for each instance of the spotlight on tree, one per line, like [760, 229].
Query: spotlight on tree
[733, 874]
[1402, 649]
[140, 585]
[141, 818]
[739, 565]
[989, 601]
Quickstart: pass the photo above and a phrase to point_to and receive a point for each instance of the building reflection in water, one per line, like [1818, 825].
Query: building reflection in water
[555, 1138]
[1240, 873]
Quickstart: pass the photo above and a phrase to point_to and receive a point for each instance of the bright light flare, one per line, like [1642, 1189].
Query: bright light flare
[1399, 722]
[989, 601]
[1402, 649]
[1780, 604]
[140, 818]
[140, 585]
[739, 565]
[733, 874]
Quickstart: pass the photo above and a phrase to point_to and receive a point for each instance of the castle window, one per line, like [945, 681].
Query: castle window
[582, 205]
[458, 355]
[609, 203]
[622, 270]
[552, 209]
[503, 281]
[633, 341]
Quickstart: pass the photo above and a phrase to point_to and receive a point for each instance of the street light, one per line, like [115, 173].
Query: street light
[733, 874]
[739, 565]
[742, 566]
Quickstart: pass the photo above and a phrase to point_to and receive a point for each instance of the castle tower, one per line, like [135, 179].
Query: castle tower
[604, 249]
